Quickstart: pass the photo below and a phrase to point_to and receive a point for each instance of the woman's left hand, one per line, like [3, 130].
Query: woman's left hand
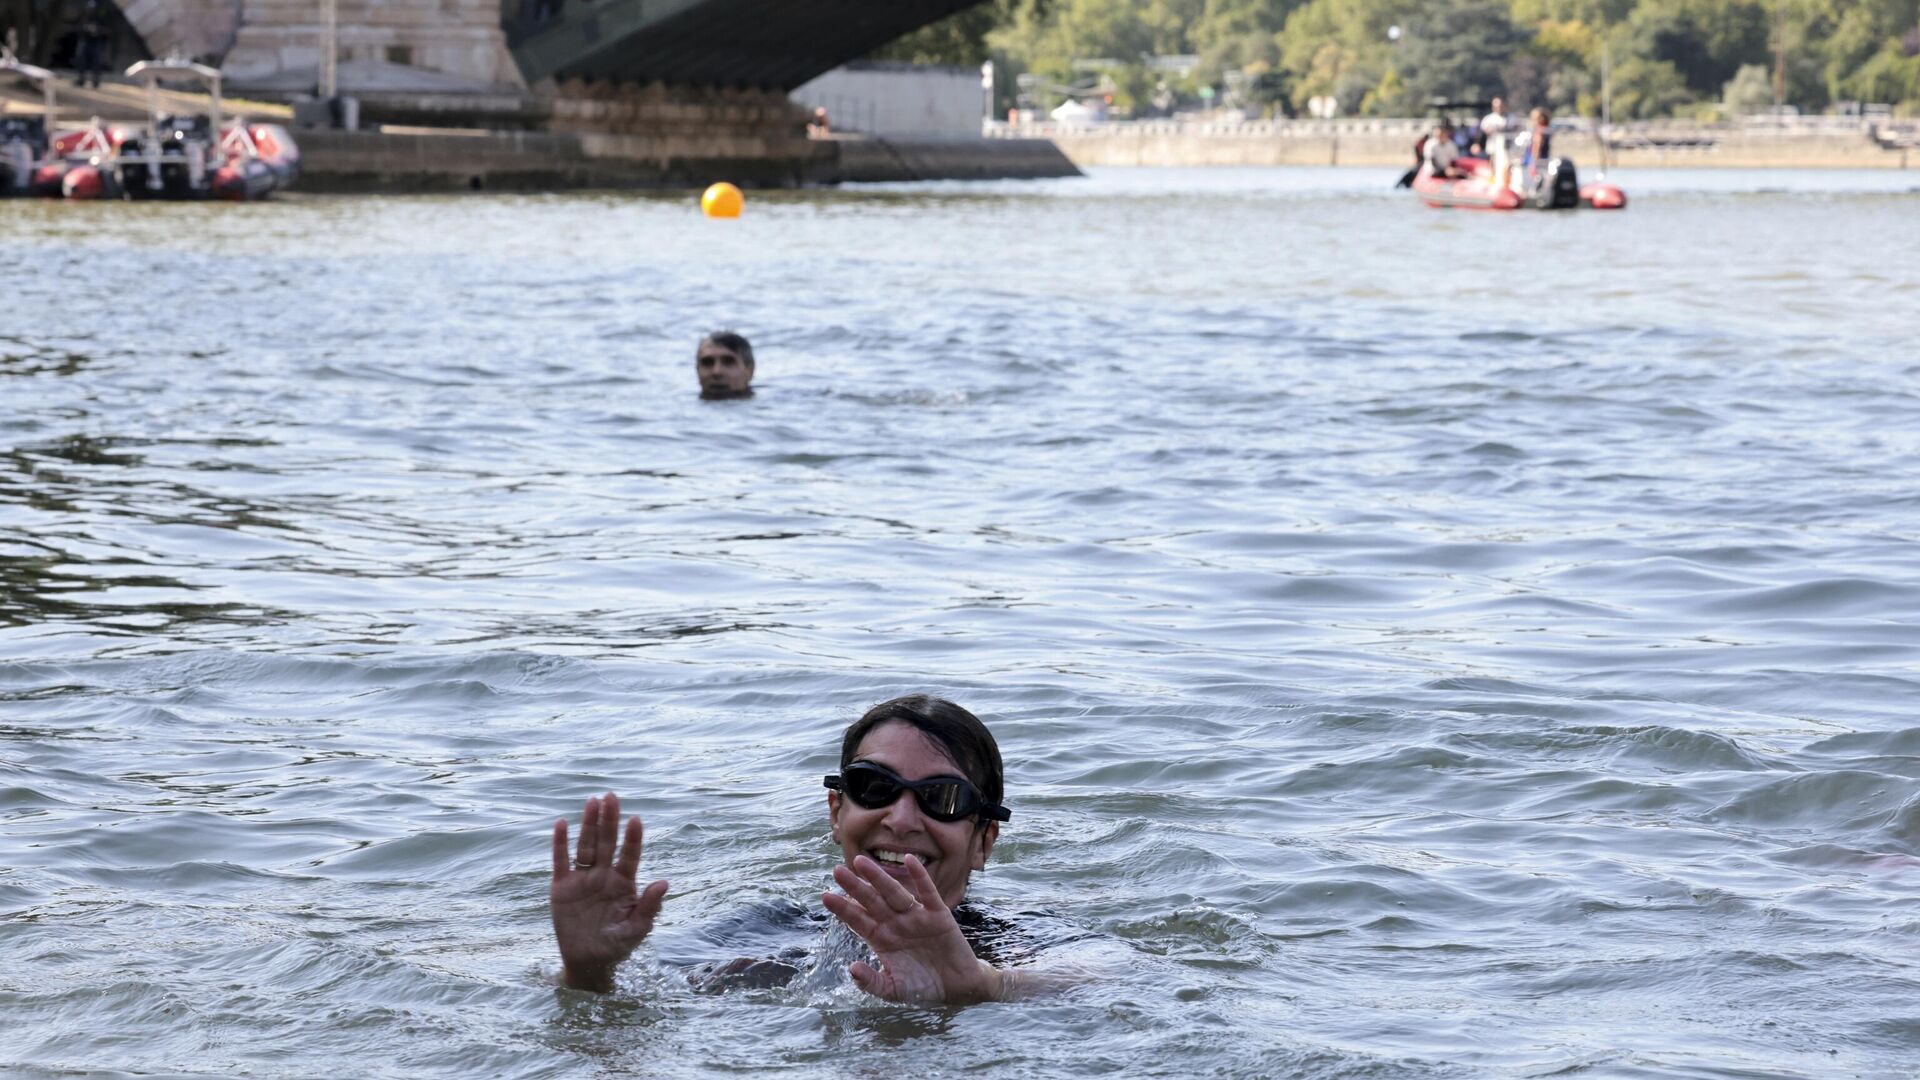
[923, 957]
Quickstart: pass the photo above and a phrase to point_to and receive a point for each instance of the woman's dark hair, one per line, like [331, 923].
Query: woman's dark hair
[953, 729]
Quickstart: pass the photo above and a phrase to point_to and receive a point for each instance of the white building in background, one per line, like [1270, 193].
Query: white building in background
[1075, 111]
[880, 97]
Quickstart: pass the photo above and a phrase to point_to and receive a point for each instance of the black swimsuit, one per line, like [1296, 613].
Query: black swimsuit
[780, 938]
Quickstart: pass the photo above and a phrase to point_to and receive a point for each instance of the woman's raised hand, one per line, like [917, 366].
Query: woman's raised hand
[923, 956]
[600, 915]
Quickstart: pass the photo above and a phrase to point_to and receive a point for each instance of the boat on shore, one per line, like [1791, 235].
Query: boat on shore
[200, 157]
[28, 164]
[178, 157]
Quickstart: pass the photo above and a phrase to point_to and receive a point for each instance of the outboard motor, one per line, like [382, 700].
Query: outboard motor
[23, 142]
[1559, 186]
[176, 168]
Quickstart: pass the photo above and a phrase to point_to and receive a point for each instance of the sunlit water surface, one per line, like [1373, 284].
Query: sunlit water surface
[1424, 644]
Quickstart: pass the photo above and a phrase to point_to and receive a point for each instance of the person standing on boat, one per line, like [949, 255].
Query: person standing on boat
[1493, 131]
[1539, 143]
[90, 53]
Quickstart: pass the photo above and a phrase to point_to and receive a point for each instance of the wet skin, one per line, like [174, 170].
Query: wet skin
[950, 850]
[903, 910]
[723, 372]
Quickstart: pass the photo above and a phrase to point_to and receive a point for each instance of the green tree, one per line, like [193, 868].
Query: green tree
[1668, 54]
[1457, 49]
[1706, 41]
[1749, 91]
[1590, 12]
[1341, 48]
[959, 39]
[1889, 76]
[1223, 21]
[1644, 88]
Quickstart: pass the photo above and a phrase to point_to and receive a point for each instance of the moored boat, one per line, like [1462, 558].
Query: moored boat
[201, 157]
[28, 165]
[88, 166]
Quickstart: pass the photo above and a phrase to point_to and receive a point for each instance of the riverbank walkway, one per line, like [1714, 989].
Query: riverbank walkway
[1796, 142]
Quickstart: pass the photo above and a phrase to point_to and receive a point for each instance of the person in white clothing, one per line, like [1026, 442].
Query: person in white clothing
[1440, 152]
[1493, 129]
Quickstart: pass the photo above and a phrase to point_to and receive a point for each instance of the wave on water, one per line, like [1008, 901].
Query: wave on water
[1506, 672]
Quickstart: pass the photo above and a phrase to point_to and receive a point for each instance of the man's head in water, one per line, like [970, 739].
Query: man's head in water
[919, 738]
[724, 364]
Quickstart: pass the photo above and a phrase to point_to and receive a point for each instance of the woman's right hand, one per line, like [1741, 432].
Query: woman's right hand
[600, 915]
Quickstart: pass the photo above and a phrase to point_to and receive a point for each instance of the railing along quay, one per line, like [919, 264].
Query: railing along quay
[1657, 135]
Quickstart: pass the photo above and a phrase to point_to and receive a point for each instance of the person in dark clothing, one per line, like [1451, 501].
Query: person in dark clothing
[90, 47]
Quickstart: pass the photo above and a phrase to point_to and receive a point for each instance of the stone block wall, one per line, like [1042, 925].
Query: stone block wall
[709, 123]
[389, 45]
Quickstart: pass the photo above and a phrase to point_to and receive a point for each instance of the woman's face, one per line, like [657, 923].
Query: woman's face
[950, 850]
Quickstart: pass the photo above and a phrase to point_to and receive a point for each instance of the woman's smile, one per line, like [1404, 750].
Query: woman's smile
[950, 850]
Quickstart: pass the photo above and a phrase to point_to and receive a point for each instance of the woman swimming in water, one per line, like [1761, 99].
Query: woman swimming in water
[916, 808]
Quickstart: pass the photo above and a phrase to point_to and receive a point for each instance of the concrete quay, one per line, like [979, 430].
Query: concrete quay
[429, 160]
[1389, 143]
[599, 137]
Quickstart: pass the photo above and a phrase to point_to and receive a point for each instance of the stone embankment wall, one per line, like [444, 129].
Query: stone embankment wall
[429, 161]
[863, 159]
[388, 45]
[634, 121]
[1390, 143]
[1754, 150]
[1171, 146]
[424, 160]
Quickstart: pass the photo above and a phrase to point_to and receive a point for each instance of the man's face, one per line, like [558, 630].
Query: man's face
[1500, 106]
[723, 372]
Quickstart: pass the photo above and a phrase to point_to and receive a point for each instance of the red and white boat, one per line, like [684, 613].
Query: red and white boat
[200, 157]
[87, 162]
[169, 157]
[1553, 185]
[29, 165]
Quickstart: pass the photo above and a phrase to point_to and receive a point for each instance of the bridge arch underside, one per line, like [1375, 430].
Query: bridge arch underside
[773, 44]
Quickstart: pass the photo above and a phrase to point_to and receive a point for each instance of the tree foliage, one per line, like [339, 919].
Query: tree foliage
[1666, 56]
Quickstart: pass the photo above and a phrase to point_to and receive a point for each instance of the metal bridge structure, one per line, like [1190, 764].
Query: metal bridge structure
[769, 44]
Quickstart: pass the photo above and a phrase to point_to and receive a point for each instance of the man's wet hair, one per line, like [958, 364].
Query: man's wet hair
[727, 339]
[953, 729]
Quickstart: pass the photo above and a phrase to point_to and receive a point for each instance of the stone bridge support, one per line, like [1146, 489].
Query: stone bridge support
[197, 29]
[396, 48]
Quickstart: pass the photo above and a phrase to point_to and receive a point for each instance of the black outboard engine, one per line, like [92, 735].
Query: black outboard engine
[1559, 187]
[179, 162]
[23, 143]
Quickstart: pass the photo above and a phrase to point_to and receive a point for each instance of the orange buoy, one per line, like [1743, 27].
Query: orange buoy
[722, 200]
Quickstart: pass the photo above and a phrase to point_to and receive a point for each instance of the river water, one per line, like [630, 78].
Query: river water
[1423, 644]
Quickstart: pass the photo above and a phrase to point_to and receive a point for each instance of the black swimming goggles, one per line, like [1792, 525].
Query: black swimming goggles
[942, 798]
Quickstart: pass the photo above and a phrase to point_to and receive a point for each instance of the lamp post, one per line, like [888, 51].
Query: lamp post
[1606, 85]
[329, 49]
[986, 92]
